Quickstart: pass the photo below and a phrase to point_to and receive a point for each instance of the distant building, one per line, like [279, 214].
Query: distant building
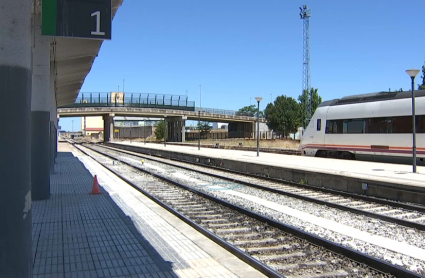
[92, 125]
[216, 125]
[135, 121]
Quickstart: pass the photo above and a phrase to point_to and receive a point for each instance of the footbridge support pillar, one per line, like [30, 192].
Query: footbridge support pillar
[242, 130]
[176, 128]
[108, 127]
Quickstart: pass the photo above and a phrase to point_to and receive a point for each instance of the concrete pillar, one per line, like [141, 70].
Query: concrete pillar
[183, 130]
[108, 127]
[40, 116]
[53, 119]
[176, 128]
[15, 148]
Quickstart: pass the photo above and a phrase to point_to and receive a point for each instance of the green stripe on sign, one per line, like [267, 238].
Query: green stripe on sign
[48, 17]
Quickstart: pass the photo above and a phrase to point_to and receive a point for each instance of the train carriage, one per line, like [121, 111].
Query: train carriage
[372, 127]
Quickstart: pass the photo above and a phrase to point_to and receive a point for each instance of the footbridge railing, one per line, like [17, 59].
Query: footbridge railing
[143, 100]
[120, 99]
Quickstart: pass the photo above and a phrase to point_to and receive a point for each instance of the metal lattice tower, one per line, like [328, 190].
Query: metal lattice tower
[305, 14]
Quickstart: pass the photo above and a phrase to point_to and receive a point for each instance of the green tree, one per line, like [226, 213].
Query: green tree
[160, 130]
[204, 127]
[303, 98]
[283, 115]
[250, 111]
[422, 86]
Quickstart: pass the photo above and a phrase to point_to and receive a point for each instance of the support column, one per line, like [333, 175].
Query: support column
[108, 127]
[40, 116]
[15, 148]
[53, 119]
[176, 128]
[182, 125]
[183, 130]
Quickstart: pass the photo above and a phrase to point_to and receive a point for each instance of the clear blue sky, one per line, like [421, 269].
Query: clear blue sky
[240, 49]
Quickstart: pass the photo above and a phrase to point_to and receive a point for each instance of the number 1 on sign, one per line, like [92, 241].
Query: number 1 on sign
[97, 32]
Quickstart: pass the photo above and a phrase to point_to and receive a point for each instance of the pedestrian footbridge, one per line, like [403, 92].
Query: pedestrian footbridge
[173, 108]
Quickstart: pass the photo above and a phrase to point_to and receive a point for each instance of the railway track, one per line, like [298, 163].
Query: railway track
[407, 215]
[272, 247]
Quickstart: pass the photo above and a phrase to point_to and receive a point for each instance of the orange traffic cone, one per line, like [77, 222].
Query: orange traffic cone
[95, 189]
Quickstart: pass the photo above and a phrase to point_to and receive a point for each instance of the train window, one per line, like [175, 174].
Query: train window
[420, 124]
[354, 126]
[399, 124]
[373, 125]
[319, 124]
[334, 126]
[402, 124]
[329, 127]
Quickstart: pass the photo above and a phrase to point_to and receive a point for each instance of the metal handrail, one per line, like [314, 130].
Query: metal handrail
[144, 100]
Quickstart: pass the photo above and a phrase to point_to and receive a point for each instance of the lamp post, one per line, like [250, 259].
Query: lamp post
[199, 118]
[258, 99]
[165, 132]
[144, 130]
[131, 127]
[199, 128]
[412, 73]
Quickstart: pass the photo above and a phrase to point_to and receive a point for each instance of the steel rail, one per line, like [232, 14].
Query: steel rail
[389, 219]
[359, 257]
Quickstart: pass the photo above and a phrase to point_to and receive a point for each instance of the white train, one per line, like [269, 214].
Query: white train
[372, 127]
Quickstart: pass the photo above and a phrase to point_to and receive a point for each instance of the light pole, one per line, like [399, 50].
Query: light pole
[144, 130]
[72, 125]
[199, 117]
[258, 99]
[165, 132]
[131, 127]
[412, 73]
[199, 128]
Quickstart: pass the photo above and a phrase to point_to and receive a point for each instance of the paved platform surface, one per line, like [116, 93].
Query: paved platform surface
[385, 172]
[119, 233]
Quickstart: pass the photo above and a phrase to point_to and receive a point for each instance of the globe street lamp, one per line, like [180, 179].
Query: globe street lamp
[412, 73]
[258, 99]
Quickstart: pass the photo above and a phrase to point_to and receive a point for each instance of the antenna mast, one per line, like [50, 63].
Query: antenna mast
[305, 14]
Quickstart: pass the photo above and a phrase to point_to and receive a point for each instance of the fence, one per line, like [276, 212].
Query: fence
[133, 132]
[192, 136]
[227, 112]
[133, 100]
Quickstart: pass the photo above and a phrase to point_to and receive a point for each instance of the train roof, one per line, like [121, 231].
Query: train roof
[372, 97]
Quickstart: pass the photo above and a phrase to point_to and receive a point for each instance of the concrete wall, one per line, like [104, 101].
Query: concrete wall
[241, 130]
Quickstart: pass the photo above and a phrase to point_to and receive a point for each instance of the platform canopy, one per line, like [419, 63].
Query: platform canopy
[73, 59]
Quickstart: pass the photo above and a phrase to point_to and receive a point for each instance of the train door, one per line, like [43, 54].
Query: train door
[318, 125]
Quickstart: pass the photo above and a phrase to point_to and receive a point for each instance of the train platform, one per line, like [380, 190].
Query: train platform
[385, 172]
[395, 182]
[118, 233]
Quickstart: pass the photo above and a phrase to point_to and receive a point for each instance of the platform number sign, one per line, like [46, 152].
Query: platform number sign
[77, 18]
